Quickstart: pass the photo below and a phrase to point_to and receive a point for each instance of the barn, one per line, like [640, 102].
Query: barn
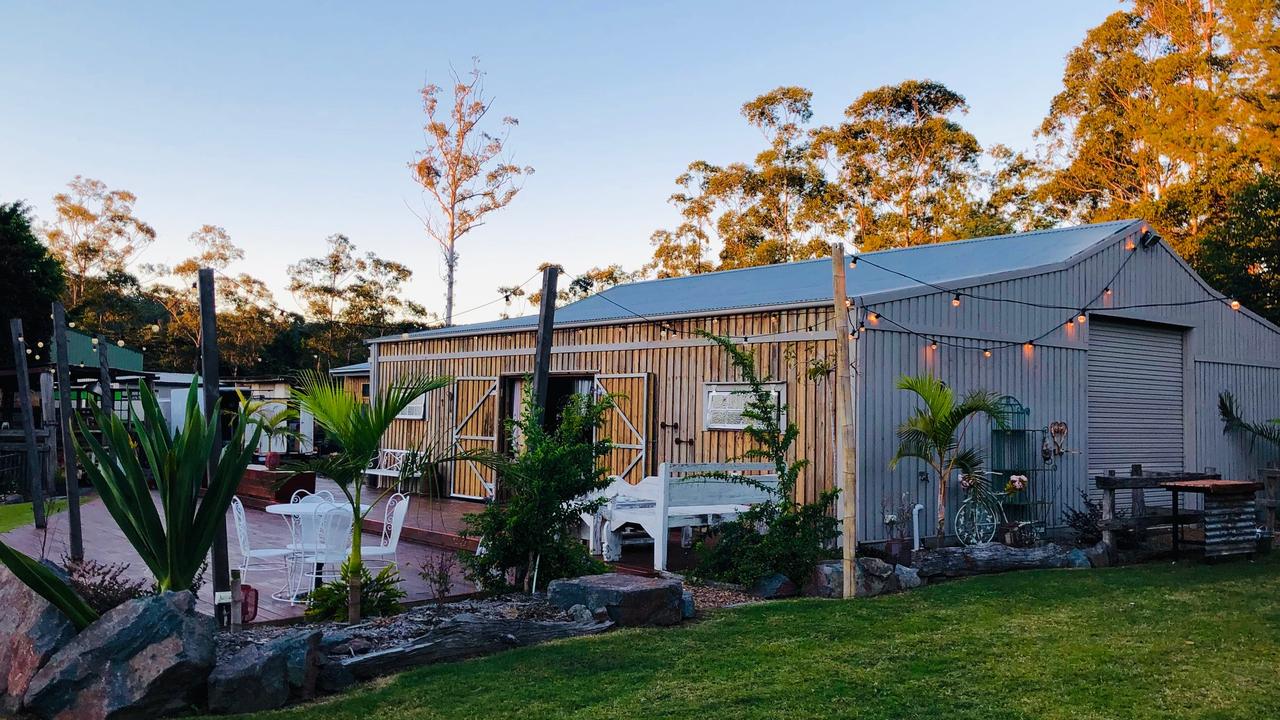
[1107, 348]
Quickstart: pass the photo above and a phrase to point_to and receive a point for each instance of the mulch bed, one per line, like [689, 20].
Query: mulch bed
[382, 633]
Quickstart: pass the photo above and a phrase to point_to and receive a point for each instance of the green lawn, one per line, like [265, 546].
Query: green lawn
[19, 514]
[1158, 641]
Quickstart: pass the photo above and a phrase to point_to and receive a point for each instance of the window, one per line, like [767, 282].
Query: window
[723, 403]
[416, 410]
[364, 390]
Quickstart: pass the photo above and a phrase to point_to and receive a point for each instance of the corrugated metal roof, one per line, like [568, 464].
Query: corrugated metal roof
[809, 281]
[361, 368]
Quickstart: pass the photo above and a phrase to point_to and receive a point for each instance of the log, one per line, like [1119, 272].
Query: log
[994, 558]
[466, 636]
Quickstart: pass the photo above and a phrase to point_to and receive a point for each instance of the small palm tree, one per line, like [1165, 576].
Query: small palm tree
[357, 429]
[274, 423]
[935, 432]
[1229, 410]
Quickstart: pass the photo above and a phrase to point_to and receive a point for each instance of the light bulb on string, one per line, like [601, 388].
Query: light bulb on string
[873, 316]
[933, 345]
[1235, 304]
[986, 353]
[71, 324]
[95, 341]
[39, 343]
[119, 343]
[853, 261]
[1081, 317]
[955, 301]
[155, 327]
[1107, 291]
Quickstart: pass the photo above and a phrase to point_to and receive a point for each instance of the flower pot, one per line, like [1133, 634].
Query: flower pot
[272, 460]
[899, 549]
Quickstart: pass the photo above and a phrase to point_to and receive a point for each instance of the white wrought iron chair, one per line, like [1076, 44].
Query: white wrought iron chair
[384, 553]
[303, 496]
[322, 553]
[250, 557]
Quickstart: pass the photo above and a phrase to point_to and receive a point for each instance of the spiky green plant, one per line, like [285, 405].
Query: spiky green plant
[1229, 410]
[935, 432]
[174, 537]
[45, 583]
[357, 428]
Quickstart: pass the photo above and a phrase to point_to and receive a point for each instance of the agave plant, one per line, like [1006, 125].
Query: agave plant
[935, 432]
[173, 536]
[357, 429]
[49, 586]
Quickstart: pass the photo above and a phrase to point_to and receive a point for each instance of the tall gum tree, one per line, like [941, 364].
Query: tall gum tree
[463, 171]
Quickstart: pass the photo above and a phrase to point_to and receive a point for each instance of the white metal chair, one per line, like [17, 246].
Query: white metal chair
[261, 558]
[302, 496]
[322, 553]
[392, 523]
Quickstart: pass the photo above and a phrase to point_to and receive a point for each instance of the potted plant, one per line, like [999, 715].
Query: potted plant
[896, 520]
[272, 417]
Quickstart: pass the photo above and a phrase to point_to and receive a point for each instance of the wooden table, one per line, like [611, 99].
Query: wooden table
[1229, 516]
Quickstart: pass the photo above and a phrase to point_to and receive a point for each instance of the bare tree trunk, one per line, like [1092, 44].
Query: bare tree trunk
[450, 265]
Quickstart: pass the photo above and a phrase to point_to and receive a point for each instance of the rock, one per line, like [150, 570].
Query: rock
[11, 499]
[144, 659]
[687, 609]
[1077, 559]
[31, 631]
[580, 613]
[266, 677]
[908, 577]
[874, 577]
[776, 585]
[827, 580]
[1099, 555]
[335, 677]
[629, 600]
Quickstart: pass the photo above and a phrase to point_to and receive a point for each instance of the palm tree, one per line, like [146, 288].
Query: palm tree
[1229, 410]
[273, 422]
[935, 432]
[357, 429]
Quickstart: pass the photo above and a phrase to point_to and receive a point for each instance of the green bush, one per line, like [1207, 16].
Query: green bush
[779, 535]
[531, 529]
[380, 594]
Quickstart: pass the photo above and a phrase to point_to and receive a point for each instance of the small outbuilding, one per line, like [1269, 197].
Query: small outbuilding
[1108, 349]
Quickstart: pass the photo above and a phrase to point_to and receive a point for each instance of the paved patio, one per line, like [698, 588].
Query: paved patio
[104, 542]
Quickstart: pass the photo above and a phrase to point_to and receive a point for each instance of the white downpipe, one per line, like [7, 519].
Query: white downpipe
[915, 525]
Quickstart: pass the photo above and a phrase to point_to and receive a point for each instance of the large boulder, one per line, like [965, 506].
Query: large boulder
[874, 577]
[827, 580]
[144, 659]
[629, 600]
[1099, 554]
[908, 577]
[31, 631]
[774, 586]
[269, 676]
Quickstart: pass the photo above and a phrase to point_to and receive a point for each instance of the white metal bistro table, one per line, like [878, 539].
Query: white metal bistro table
[306, 511]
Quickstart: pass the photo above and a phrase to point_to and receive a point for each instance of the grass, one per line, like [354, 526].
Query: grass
[1158, 641]
[19, 514]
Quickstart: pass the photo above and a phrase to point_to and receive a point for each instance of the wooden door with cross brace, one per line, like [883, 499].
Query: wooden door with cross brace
[627, 424]
[475, 426]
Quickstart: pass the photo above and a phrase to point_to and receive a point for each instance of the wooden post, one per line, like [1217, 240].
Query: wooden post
[846, 461]
[48, 419]
[1108, 515]
[28, 421]
[237, 600]
[64, 430]
[210, 381]
[542, 346]
[104, 376]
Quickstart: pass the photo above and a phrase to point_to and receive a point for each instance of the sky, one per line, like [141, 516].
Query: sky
[287, 122]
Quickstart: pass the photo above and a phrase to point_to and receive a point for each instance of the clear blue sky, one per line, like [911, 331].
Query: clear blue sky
[286, 122]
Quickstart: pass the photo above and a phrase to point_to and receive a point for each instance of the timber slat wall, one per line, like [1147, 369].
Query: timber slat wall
[676, 365]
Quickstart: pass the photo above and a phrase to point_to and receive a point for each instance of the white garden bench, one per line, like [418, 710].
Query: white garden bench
[387, 465]
[680, 496]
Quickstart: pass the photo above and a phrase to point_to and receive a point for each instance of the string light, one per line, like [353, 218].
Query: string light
[933, 345]
[853, 261]
[1081, 317]
[986, 353]
[1028, 345]
[1235, 304]
[119, 343]
[94, 341]
[1107, 292]
[39, 343]
[71, 324]
[955, 301]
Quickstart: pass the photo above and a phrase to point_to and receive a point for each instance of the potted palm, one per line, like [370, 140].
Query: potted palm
[272, 417]
[934, 433]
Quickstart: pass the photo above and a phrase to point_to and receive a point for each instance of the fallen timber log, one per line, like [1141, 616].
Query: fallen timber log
[466, 636]
[994, 558]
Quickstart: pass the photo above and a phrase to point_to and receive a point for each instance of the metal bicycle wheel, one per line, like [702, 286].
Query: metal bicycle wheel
[975, 523]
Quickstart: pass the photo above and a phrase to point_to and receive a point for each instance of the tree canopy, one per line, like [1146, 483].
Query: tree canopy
[31, 277]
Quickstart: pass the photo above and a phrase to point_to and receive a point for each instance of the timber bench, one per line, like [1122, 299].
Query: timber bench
[1140, 516]
[683, 495]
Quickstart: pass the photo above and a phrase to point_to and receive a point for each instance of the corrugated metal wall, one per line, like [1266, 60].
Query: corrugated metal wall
[1225, 350]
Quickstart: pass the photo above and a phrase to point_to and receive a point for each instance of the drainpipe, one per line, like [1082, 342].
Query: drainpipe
[915, 525]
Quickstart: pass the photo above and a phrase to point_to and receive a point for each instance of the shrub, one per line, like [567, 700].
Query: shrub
[531, 529]
[437, 573]
[1086, 525]
[779, 535]
[380, 594]
[104, 585]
